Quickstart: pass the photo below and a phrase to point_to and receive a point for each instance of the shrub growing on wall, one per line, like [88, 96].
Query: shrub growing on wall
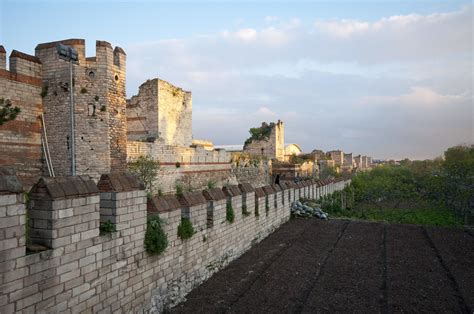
[7, 112]
[106, 227]
[145, 169]
[185, 229]
[156, 240]
[229, 213]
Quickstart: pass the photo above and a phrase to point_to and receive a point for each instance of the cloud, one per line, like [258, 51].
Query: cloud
[246, 34]
[419, 96]
[379, 87]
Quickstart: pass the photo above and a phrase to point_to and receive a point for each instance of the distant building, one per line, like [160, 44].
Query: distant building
[292, 150]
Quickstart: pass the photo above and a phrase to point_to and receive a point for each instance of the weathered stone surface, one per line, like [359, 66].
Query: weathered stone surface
[268, 190]
[119, 182]
[246, 188]
[9, 182]
[231, 190]
[215, 194]
[191, 199]
[63, 187]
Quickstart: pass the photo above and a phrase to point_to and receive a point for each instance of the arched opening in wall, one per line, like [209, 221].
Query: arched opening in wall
[91, 74]
[116, 77]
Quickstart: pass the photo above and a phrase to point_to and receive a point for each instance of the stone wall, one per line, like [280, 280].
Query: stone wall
[84, 271]
[191, 167]
[20, 139]
[99, 98]
[337, 156]
[160, 111]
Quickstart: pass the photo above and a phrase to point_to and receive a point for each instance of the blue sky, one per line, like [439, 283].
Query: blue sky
[391, 79]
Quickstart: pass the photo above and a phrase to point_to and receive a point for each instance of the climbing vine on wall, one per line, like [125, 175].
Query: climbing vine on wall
[7, 112]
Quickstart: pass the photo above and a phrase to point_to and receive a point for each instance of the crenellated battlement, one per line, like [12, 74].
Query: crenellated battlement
[23, 68]
[77, 268]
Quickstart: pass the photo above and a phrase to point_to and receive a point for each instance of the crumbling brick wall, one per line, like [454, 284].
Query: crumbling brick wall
[20, 139]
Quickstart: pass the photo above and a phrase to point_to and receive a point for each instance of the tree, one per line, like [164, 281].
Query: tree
[458, 180]
[145, 169]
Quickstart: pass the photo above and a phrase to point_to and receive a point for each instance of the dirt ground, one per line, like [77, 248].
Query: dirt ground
[311, 266]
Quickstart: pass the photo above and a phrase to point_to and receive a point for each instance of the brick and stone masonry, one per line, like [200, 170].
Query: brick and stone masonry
[82, 270]
[20, 139]
[99, 97]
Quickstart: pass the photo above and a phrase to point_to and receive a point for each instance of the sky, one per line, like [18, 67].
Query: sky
[388, 79]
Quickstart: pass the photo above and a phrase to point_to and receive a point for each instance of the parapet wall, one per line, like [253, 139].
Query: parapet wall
[85, 271]
[20, 139]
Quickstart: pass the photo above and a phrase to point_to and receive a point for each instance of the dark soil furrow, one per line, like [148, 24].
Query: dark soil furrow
[264, 269]
[352, 276]
[384, 299]
[416, 281]
[454, 285]
[319, 272]
[295, 269]
[340, 266]
[456, 249]
[214, 295]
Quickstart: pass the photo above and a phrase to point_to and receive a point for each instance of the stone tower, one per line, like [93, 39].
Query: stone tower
[100, 103]
[160, 111]
[272, 147]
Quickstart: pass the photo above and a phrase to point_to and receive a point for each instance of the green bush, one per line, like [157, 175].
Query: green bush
[156, 240]
[7, 112]
[145, 169]
[179, 189]
[229, 213]
[211, 184]
[185, 229]
[260, 133]
[107, 227]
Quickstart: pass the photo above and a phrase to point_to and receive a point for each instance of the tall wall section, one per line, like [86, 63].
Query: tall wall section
[99, 98]
[20, 139]
[160, 111]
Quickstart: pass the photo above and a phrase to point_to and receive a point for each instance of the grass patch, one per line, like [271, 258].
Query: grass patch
[429, 216]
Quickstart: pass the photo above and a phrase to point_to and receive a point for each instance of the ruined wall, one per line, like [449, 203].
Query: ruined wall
[191, 167]
[160, 111]
[99, 97]
[273, 147]
[348, 160]
[337, 156]
[20, 139]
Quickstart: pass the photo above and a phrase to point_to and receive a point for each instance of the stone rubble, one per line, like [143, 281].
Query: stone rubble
[308, 208]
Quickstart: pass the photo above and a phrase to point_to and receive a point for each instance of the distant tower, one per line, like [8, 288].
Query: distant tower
[272, 147]
[100, 103]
